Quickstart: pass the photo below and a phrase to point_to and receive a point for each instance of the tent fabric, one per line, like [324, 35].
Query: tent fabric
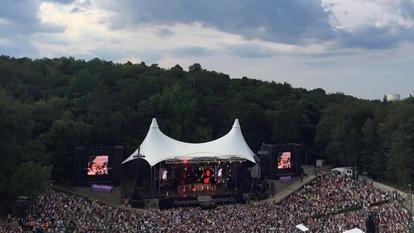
[355, 230]
[158, 147]
[302, 227]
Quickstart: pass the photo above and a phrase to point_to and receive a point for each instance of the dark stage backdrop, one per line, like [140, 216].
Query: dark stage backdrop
[97, 165]
[280, 160]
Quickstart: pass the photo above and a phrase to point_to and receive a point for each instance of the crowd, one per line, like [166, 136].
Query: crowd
[329, 194]
[327, 204]
[390, 211]
[10, 225]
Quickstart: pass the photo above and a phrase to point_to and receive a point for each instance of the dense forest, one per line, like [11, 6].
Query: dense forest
[50, 106]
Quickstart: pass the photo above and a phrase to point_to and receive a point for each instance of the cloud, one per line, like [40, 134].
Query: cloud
[17, 45]
[249, 50]
[407, 7]
[77, 9]
[192, 51]
[371, 24]
[163, 32]
[274, 20]
[60, 1]
[124, 55]
[351, 24]
[384, 37]
[22, 18]
[18, 22]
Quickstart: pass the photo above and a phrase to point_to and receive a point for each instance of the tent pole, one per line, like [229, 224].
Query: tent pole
[159, 180]
[136, 172]
[151, 181]
[235, 176]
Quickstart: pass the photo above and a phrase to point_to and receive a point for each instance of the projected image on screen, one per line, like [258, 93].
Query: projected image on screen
[98, 165]
[284, 161]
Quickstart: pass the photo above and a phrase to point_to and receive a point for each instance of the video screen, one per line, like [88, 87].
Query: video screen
[98, 165]
[284, 161]
[219, 175]
[163, 174]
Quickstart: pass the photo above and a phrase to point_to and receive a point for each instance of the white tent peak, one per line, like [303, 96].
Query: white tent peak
[236, 124]
[157, 147]
[154, 123]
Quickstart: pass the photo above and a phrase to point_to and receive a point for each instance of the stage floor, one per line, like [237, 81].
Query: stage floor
[197, 189]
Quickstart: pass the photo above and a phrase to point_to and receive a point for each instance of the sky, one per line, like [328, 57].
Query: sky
[363, 48]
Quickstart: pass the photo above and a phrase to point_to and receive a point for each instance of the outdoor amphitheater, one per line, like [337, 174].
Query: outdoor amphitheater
[217, 186]
[206, 116]
[327, 203]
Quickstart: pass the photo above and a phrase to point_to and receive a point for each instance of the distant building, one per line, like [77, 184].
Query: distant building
[392, 97]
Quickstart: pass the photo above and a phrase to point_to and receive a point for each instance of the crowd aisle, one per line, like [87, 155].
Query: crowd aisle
[327, 204]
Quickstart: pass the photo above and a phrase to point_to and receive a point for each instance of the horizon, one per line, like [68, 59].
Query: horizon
[208, 70]
[359, 48]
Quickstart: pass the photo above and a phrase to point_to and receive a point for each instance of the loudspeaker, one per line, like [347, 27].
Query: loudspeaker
[268, 160]
[152, 203]
[137, 203]
[239, 198]
[370, 224]
[272, 187]
[166, 203]
[21, 208]
[261, 196]
[246, 197]
[81, 158]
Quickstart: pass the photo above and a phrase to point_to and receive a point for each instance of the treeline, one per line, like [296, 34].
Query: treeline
[50, 106]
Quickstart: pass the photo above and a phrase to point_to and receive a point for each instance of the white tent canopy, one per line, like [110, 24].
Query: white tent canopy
[302, 227]
[158, 147]
[355, 230]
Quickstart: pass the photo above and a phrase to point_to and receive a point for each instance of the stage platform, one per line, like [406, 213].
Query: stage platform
[115, 198]
[204, 201]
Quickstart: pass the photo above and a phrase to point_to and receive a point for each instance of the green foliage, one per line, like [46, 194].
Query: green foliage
[64, 135]
[18, 174]
[50, 106]
[28, 179]
[375, 136]
[399, 157]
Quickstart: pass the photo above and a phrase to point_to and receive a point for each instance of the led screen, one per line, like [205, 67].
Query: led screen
[284, 161]
[98, 165]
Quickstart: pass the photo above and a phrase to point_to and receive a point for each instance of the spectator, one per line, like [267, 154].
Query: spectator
[327, 204]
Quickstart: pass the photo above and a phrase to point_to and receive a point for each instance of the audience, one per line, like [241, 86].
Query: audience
[327, 204]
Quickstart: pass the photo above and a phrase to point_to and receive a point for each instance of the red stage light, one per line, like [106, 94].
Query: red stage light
[207, 176]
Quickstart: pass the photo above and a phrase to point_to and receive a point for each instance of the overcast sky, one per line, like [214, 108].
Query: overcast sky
[363, 48]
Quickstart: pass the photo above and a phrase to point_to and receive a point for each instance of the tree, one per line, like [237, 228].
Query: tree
[50, 106]
[61, 140]
[194, 67]
[177, 68]
[18, 175]
[372, 155]
[399, 158]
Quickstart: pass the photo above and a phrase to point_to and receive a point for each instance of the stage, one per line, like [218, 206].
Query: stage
[189, 170]
[182, 179]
